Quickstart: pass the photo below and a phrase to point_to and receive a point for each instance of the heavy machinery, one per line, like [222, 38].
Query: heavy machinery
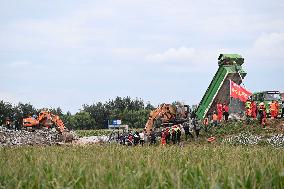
[45, 119]
[267, 97]
[169, 115]
[230, 68]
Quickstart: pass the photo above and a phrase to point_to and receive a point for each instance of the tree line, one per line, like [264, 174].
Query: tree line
[132, 112]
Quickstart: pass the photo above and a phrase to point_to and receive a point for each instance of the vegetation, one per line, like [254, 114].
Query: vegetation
[111, 166]
[132, 112]
[237, 127]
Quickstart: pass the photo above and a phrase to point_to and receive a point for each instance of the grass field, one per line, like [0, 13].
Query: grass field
[112, 166]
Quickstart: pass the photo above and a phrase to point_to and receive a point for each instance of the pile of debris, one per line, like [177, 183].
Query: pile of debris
[91, 140]
[243, 139]
[22, 137]
[276, 140]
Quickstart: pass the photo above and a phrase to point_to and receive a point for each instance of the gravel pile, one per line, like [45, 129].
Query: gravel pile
[277, 140]
[92, 140]
[243, 138]
[22, 137]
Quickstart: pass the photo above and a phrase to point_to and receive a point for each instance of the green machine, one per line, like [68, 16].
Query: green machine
[267, 97]
[230, 68]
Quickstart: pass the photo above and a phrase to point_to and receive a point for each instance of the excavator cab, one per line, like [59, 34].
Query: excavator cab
[30, 122]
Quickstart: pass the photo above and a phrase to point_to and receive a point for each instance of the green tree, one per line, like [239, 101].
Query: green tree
[21, 111]
[82, 120]
[6, 111]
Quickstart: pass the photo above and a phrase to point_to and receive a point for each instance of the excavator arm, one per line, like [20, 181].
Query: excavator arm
[165, 112]
[45, 119]
[168, 114]
[58, 123]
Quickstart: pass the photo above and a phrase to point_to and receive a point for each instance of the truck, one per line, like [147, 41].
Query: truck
[267, 97]
[230, 68]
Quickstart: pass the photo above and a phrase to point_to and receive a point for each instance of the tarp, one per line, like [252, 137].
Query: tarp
[236, 91]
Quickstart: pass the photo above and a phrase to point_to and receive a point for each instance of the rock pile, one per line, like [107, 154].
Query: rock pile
[22, 137]
[92, 140]
[243, 138]
[276, 140]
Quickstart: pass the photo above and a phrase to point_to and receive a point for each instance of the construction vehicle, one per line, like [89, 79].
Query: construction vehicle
[230, 68]
[169, 115]
[45, 119]
[267, 97]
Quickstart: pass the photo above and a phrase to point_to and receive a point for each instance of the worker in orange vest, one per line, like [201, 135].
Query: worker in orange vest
[273, 109]
[215, 119]
[220, 111]
[206, 123]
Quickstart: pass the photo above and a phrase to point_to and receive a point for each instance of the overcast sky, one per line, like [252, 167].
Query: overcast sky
[68, 53]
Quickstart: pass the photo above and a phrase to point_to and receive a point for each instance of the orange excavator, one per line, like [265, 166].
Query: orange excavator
[169, 114]
[45, 119]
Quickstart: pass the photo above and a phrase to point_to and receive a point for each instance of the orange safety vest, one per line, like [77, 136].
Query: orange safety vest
[215, 117]
[206, 121]
[272, 106]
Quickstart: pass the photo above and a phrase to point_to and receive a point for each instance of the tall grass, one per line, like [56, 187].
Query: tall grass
[112, 166]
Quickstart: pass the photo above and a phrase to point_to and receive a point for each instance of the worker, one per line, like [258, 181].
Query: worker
[174, 135]
[219, 111]
[262, 113]
[152, 137]
[248, 108]
[226, 112]
[136, 138]
[130, 139]
[168, 135]
[197, 129]
[163, 138]
[178, 131]
[215, 119]
[273, 109]
[206, 123]
[142, 137]
[253, 110]
[186, 130]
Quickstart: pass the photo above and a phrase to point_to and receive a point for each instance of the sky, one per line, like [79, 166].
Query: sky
[68, 53]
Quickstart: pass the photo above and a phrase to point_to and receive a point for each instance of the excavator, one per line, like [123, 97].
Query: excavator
[45, 119]
[169, 115]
